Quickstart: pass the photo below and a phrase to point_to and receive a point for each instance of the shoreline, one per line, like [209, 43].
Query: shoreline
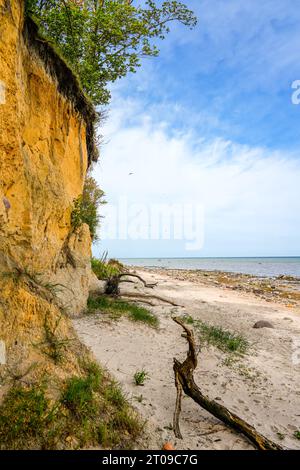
[283, 289]
[261, 385]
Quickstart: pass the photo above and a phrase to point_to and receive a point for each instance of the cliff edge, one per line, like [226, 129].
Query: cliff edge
[46, 146]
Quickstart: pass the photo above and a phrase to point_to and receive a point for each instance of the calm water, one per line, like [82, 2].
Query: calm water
[258, 266]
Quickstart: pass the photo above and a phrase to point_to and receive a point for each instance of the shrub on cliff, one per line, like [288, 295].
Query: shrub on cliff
[86, 206]
[105, 39]
[106, 269]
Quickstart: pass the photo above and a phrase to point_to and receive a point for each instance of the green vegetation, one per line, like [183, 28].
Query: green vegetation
[139, 398]
[100, 409]
[297, 434]
[78, 397]
[104, 40]
[117, 307]
[53, 346]
[106, 269]
[223, 339]
[90, 411]
[24, 415]
[114, 395]
[140, 377]
[85, 210]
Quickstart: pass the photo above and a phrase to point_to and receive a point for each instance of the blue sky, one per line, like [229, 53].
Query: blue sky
[211, 123]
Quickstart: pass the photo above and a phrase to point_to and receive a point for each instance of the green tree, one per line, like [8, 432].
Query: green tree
[103, 40]
[86, 207]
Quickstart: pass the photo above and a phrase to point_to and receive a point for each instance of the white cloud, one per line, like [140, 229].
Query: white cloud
[251, 196]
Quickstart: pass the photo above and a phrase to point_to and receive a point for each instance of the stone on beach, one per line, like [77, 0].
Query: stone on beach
[263, 324]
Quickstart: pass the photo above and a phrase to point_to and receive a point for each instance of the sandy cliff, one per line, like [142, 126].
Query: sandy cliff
[45, 148]
[46, 145]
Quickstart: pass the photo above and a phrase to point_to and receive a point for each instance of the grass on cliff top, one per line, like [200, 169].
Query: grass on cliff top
[225, 340]
[117, 308]
[91, 411]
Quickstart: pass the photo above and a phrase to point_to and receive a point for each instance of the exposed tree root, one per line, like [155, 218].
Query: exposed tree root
[144, 296]
[184, 381]
[140, 301]
[149, 286]
[113, 283]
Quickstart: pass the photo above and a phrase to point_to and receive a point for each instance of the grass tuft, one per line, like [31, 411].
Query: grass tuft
[106, 269]
[53, 346]
[118, 307]
[114, 395]
[78, 394]
[24, 414]
[224, 340]
[140, 377]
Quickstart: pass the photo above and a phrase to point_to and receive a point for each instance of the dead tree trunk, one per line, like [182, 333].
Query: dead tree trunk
[184, 381]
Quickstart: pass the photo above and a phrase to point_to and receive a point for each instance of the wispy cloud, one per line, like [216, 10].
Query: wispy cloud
[250, 194]
[211, 121]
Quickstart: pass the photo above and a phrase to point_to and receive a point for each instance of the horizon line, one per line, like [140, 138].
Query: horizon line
[208, 257]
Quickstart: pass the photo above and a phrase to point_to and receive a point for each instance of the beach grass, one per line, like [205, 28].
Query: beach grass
[117, 308]
[90, 410]
[225, 340]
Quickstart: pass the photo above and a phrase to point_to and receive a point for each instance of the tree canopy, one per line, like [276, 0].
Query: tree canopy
[103, 40]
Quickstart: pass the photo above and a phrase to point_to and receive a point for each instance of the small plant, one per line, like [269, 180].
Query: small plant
[297, 435]
[140, 377]
[139, 398]
[34, 281]
[85, 207]
[53, 346]
[280, 436]
[118, 307]
[189, 320]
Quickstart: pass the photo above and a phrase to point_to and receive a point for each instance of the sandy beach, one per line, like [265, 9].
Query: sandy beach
[262, 385]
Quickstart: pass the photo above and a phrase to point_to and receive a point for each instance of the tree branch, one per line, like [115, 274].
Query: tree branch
[184, 380]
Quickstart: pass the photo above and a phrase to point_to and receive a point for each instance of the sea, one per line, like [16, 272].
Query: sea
[261, 267]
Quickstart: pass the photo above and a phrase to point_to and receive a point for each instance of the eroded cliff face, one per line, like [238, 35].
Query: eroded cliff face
[45, 148]
[43, 162]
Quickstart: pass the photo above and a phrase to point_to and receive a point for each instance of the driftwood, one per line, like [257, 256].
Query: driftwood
[113, 288]
[184, 381]
[146, 284]
[113, 284]
[141, 301]
[149, 297]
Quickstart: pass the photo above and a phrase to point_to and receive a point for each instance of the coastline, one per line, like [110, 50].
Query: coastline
[283, 289]
[261, 385]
